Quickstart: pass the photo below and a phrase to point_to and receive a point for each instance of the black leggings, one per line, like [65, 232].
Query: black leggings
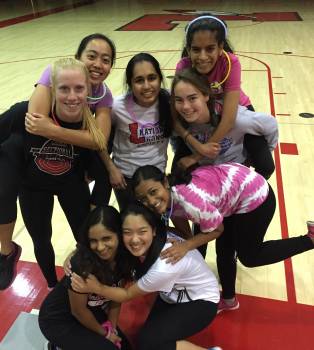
[74, 336]
[259, 154]
[11, 133]
[168, 323]
[243, 236]
[10, 181]
[257, 148]
[37, 207]
[97, 171]
[126, 196]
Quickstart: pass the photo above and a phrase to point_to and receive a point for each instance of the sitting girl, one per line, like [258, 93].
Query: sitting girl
[77, 321]
[188, 290]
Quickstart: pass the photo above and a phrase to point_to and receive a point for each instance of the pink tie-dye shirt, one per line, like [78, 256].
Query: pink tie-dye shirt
[217, 191]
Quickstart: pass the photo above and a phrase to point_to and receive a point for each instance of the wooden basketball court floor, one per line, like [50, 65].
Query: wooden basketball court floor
[274, 40]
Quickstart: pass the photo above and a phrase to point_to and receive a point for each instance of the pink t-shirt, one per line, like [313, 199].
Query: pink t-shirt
[218, 73]
[105, 101]
[216, 191]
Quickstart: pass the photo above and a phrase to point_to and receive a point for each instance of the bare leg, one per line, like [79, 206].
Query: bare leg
[186, 345]
[6, 234]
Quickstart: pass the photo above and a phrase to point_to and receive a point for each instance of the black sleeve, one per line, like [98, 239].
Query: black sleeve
[12, 120]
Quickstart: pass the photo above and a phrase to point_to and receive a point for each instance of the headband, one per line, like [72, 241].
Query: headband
[207, 17]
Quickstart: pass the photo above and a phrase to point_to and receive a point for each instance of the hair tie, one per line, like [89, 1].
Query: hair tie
[207, 17]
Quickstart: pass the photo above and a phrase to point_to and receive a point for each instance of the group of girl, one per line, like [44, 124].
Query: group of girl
[214, 122]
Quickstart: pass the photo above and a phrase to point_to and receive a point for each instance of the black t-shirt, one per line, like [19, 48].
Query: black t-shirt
[46, 163]
[51, 163]
[56, 307]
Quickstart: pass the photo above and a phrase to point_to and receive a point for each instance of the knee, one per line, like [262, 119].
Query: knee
[248, 260]
[41, 243]
[266, 168]
[225, 254]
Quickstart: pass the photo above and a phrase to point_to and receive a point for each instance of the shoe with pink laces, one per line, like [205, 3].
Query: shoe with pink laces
[228, 305]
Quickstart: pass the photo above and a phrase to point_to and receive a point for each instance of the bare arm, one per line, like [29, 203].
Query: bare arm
[179, 249]
[117, 294]
[116, 177]
[38, 124]
[182, 227]
[83, 138]
[114, 313]
[40, 101]
[82, 313]
[211, 148]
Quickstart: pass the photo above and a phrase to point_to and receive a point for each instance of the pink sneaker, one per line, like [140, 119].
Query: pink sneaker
[223, 306]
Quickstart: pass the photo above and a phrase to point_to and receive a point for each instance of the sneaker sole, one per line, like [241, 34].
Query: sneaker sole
[229, 309]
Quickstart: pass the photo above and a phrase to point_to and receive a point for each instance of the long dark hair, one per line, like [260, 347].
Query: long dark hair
[159, 240]
[88, 261]
[210, 24]
[164, 97]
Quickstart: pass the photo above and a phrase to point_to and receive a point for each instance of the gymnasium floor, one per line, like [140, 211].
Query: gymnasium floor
[274, 40]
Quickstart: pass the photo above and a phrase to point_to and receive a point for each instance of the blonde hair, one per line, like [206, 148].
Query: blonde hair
[88, 119]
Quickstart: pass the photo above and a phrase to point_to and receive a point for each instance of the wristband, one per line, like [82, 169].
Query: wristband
[109, 329]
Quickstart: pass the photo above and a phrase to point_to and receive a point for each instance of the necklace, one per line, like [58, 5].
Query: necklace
[216, 86]
[129, 107]
[54, 117]
[93, 100]
[167, 215]
[142, 125]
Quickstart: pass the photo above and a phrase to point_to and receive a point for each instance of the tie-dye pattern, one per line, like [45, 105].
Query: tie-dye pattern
[218, 191]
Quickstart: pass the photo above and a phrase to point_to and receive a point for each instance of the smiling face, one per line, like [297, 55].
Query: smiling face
[190, 103]
[204, 51]
[71, 91]
[145, 84]
[138, 235]
[97, 56]
[154, 195]
[103, 242]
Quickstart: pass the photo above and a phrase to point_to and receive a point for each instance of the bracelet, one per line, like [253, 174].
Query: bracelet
[108, 327]
[186, 136]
